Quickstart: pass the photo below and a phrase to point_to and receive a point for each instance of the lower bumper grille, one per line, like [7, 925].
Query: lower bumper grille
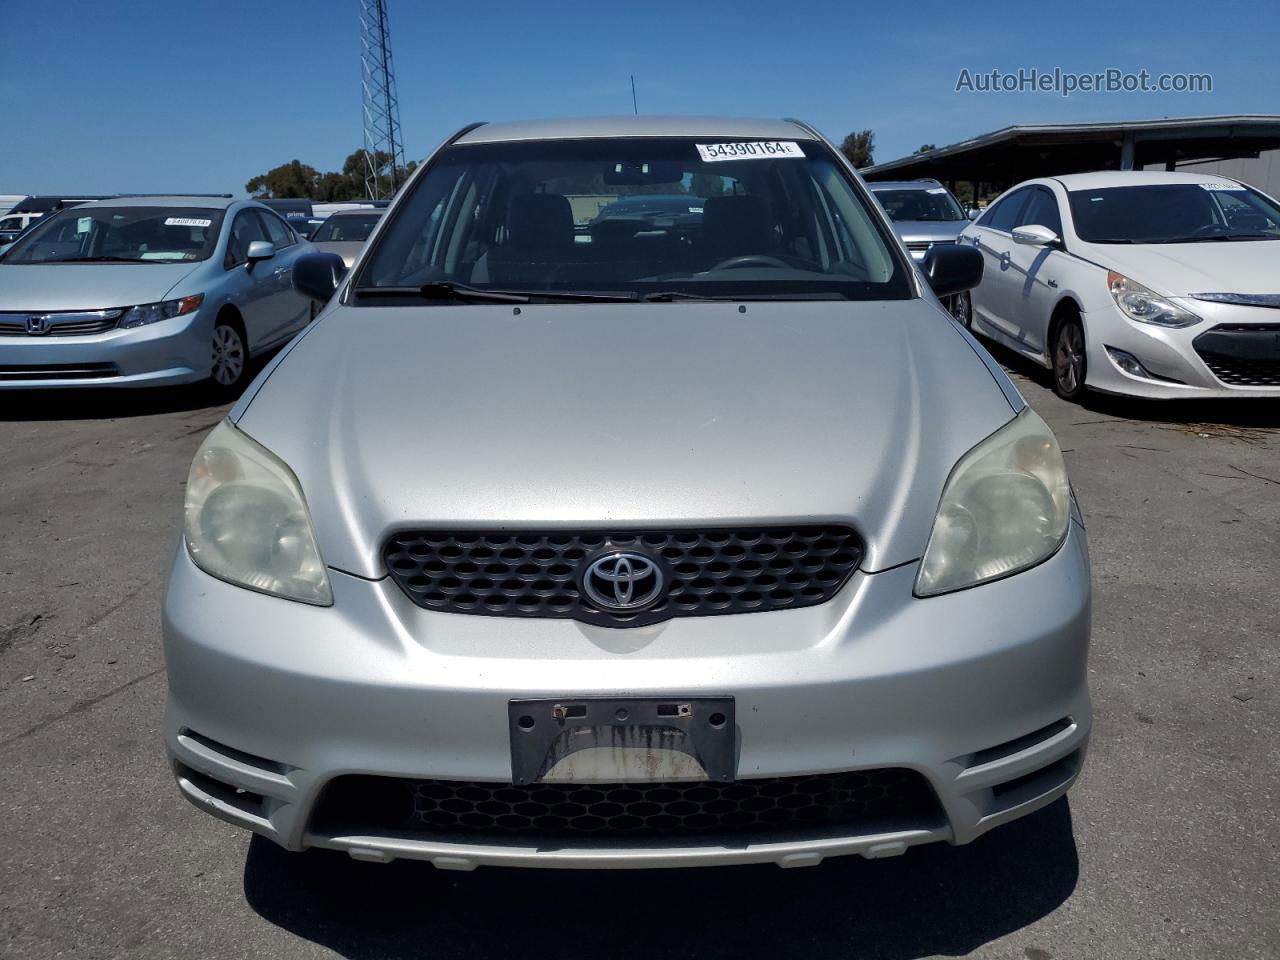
[58, 371]
[1242, 355]
[860, 801]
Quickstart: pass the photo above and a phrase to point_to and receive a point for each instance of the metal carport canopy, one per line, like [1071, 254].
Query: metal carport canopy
[1021, 152]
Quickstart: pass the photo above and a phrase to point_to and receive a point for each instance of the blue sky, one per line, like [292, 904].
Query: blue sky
[135, 95]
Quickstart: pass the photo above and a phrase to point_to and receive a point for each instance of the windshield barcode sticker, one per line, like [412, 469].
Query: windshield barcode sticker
[754, 150]
[186, 222]
[1222, 186]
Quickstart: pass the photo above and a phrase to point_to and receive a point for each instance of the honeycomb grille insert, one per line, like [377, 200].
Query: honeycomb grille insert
[1229, 366]
[1237, 372]
[854, 801]
[706, 572]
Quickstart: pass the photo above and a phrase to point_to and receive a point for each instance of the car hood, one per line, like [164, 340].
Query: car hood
[348, 250]
[929, 231]
[585, 415]
[87, 286]
[1181, 269]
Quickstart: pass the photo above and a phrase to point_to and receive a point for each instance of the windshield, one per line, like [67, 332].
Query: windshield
[347, 228]
[632, 217]
[115, 234]
[1174, 213]
[933, 203]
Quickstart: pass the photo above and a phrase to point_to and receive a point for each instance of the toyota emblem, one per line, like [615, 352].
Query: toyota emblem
[622, 582]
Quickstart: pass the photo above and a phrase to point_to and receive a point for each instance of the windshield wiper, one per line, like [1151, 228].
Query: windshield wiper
[462, 293]
[102, 260]
[666, 296]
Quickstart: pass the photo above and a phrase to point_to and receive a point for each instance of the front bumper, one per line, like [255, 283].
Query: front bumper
[169, 352]
[1174, 353]
[982, 691]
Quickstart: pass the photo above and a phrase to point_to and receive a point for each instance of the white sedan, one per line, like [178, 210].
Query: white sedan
[1160, 285]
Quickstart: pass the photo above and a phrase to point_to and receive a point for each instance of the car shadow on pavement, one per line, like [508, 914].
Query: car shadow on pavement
[102, 403]
[936, 899]
[1257, 412]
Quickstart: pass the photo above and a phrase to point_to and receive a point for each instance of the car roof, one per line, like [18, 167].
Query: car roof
[177, 200]
[904, 185]
[573, 128]
[1133, 178]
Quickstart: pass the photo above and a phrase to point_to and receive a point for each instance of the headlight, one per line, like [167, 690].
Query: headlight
[1145, 305]
[155, 312]
[1005, 507]
[247, 521]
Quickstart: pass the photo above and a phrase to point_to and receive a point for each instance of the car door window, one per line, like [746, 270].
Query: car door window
[1004, 214]
[245, 229]
[1042, 210]
[278, 231]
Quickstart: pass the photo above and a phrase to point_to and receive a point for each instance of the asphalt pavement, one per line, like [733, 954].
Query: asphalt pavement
[1166, 848]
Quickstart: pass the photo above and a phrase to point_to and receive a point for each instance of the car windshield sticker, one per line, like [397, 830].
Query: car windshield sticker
[163, 255]
[754, 150]
[936, 190]
[186, 222]
[84, 224]
[1221, 186]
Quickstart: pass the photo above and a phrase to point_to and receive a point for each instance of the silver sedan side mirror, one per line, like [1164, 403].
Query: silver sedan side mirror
[260, 250]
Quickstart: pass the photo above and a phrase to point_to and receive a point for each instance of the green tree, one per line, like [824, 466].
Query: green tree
[297, 179]
[927, 147]
[859, 147]
[292, 179]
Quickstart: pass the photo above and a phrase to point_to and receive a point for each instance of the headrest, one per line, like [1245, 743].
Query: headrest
[736, 225]
[540, 220]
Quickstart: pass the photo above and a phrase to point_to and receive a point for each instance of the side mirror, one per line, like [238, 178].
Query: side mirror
[260, 250]
[973, 213]
[951, 268]
[1034, 235]
[317, 275]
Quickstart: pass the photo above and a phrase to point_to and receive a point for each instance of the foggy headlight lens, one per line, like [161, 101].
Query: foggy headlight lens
[247, 521]
[1145, 305]
[155, 312]
[1005, 507]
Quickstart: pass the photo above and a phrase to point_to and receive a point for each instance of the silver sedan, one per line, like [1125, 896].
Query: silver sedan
[142, 291]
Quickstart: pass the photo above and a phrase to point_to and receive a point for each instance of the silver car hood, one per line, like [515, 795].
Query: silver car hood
[587, 415]
[348, 250]
[87, 286]
[929, 231]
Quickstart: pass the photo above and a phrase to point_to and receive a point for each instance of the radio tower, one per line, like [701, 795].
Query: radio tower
[383, 146]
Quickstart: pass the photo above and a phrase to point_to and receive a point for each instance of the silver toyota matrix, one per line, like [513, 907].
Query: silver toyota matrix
[581, 532]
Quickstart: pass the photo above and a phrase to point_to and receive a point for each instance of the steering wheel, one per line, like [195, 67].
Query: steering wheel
[750, 260]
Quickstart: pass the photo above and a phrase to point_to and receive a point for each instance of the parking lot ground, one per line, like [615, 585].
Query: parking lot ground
[1166, 848]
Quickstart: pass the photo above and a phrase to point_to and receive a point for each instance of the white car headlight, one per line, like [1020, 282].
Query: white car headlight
[1006, 507]
[247, 521]
[1145, 305]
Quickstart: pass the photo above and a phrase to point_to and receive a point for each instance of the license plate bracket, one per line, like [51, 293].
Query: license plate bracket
[545, 731]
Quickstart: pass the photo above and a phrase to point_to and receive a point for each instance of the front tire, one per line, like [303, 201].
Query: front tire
[961, 309]
[1070, 363]
[230, 358]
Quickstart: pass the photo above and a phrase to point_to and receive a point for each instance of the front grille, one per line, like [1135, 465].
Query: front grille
[1245, 373]
[706, 572]
[62, 325]
[58, 371]
[1242, 355]
[857, 802]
